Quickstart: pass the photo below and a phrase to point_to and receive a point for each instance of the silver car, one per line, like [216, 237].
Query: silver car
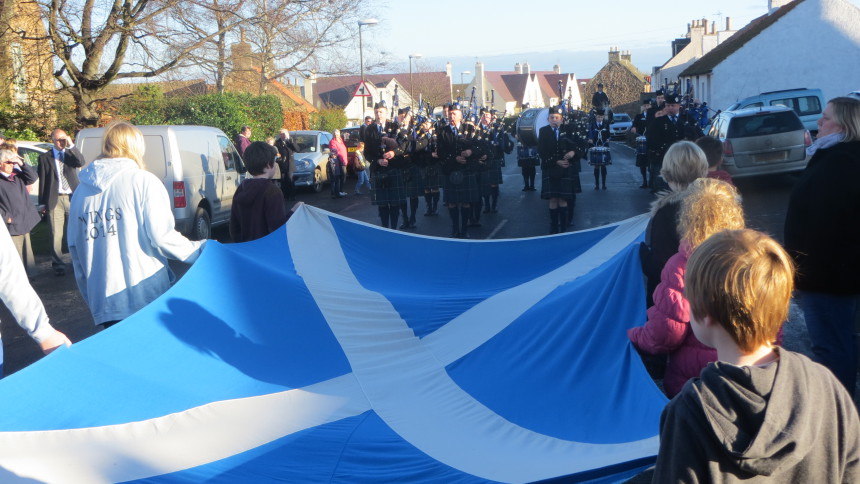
[761, 141]
[621, 124]
[311, 158]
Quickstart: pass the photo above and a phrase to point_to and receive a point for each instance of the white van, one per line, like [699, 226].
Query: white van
[199, 166]
[807, 103]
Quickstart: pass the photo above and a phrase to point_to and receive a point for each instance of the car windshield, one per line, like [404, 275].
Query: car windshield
[620, 118]
[305, 143]
[764, 124]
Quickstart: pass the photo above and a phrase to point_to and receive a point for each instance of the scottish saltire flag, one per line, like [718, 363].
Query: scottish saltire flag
[335, 351]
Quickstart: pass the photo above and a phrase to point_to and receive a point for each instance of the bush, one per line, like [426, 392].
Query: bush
[21, 123]
[328, 119]
[228, 112]
[145, 106]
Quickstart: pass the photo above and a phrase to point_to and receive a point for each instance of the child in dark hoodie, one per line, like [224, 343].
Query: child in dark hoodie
[760, 413]
[258, 205]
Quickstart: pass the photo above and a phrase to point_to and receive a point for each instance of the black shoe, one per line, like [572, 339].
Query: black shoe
[644, 185]
[532, 188]
[486, 210]
[525, 189]
[464, 235]
[474, 224]
[404, 226]
[604, 187]
[596, 187]
[59, 272]
[428, 213]
[493, 210]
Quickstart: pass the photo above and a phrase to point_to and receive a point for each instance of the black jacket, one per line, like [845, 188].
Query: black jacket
[822, 223]
[72, 160]
[449, 146]
[662, 132]
[18, 212]
[599, 100]
[286, 151]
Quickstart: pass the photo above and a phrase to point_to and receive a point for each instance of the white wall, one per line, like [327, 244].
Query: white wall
[816, 45]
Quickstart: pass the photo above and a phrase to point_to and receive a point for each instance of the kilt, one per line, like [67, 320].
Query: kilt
[414, 182]
[463, 192]
[494, 171]
[387, 187]
[483, 179]
[567, 185]
[642, 161]
[432, 176]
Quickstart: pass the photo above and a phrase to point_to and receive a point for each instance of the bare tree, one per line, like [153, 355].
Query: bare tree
[296, 36]
[97, 44]
[430, 83]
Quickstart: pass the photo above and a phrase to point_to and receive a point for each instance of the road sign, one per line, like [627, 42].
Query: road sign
[362, 90]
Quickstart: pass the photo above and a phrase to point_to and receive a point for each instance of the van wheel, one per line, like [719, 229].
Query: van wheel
[201, 229]
[318, 181]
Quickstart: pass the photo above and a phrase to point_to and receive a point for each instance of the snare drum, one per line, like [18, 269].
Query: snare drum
[641, 145]
[599, 155]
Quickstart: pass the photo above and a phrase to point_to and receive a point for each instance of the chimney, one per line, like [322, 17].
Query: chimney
[625, 56]
[705, 25]
[308, 90]
[728, 23]
[713, 28]
[614, 55]
[240, 54]
[448, 70]
[527, 68]
[518, 68]
[557, 69]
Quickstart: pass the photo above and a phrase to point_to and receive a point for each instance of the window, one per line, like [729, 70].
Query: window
[369, 102]
[229, 154]
[19, 73]
[759, 125]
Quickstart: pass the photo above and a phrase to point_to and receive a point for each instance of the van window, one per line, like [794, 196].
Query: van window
[229, 154]
[764, 124]
[803, 106]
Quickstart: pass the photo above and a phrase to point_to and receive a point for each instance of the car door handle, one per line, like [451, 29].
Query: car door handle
[229, 177]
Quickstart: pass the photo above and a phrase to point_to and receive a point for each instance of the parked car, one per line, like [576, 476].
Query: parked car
[807, 103]
[351, 137]
[199, 166]
[759, 141]
[620, 126]
[311, 157]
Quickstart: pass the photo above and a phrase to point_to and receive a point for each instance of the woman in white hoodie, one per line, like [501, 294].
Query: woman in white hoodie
[121, 230]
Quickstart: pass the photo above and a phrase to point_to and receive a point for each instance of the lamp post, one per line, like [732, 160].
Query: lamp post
[412, 56]
[362, 23]
[464, 73]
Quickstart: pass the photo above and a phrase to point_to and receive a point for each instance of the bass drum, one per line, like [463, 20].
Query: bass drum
[529, 125]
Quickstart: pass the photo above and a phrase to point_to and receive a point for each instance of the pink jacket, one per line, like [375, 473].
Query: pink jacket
[336, 145]
[668, 328]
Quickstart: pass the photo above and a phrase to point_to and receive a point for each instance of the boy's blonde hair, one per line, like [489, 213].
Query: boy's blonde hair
[711, 205]
[123, 140]
[742, 279]
[683, 163]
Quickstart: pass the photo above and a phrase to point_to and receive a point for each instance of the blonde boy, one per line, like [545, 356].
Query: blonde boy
[761, 413]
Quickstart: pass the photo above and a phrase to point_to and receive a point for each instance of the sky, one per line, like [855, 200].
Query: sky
[577, 35]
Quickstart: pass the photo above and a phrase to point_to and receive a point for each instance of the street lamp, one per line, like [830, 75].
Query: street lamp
[362, 23]
[462, 88]
[412, 56]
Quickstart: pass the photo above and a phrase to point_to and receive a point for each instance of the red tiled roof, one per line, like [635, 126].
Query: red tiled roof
[731, 45]
[300, 101]
[326, 88]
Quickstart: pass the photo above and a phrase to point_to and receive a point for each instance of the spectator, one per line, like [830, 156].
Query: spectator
[258, 206]
[19, 214]
[286, 150]
[337, 162]
[761, 413]
[368, 120]
[361, 165]
[684, 163]
[123, 230]
[243, 139]
[23, 302]
[58, 175]
[822, 234]
[713, 149]
[710, 206]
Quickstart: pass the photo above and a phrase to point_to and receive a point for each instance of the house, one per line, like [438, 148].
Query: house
[687, 50]
[802, 43]
[246, 75]
[341, 91]
[26, 60]
[621, 80]
[509, 91]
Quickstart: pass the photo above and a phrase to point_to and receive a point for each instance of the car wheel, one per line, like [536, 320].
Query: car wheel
[201, 229]
[318, 181]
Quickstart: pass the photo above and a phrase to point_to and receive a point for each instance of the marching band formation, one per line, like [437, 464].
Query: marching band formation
[459, 158]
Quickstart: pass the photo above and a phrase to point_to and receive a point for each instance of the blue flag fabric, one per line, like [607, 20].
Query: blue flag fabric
[336, 351]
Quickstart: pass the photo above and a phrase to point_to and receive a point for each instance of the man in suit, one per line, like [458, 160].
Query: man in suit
[58, 178]
[662, 132]
[558, 153]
